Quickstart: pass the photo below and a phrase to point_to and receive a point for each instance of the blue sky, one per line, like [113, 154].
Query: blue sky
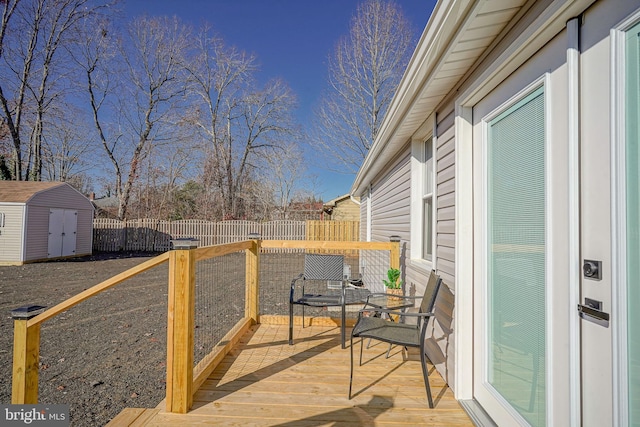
[291, 39]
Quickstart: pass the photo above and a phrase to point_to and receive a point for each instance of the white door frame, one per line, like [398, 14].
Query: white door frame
[618, 218]
[466, 204]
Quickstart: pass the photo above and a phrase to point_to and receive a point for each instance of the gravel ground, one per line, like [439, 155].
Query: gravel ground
[109, 352]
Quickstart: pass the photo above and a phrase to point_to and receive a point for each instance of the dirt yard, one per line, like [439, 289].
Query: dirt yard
[101, 356]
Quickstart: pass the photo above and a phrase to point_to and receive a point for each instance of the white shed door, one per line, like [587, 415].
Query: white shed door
[63, 225]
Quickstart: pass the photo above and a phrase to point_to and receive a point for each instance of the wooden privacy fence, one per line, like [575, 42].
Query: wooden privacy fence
[152, 235]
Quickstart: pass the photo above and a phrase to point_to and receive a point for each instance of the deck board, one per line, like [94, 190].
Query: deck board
[266, 382]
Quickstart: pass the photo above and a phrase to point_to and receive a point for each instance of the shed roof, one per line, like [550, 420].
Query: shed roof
[22, 191]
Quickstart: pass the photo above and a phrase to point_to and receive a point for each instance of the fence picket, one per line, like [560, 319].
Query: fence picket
[153, 235]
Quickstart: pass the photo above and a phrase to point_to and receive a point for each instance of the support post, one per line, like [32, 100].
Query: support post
[252, 305]
[26, 355]
[180, 328]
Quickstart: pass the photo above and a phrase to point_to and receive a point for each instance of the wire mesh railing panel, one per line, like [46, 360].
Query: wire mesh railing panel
[362, 269]
[102, 355]
[277, 269]
[220, 300]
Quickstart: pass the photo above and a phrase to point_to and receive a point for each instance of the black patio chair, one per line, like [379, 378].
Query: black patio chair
[325, 273]
[399, 332]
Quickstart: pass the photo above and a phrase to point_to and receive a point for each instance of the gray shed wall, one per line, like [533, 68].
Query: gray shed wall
[36, 232]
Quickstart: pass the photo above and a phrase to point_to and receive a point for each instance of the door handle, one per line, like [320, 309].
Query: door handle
[592, 312]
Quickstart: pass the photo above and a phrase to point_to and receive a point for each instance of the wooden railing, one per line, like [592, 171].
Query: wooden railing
[183, 379]
[26, 335]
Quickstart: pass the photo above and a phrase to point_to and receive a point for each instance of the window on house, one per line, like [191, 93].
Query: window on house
[427, 200]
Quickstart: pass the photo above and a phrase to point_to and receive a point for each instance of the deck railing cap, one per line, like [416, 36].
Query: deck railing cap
[185, 243]
[27, 312]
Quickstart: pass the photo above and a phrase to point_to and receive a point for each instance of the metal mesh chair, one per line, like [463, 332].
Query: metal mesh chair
[329, 269]
[399, 333]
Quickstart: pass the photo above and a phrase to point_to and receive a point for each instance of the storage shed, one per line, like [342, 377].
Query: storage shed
[43, 220]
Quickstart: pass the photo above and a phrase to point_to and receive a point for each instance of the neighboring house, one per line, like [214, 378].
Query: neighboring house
[106, 207]
[507, 162]
[342, 208]
[43, 220]
[302, 211]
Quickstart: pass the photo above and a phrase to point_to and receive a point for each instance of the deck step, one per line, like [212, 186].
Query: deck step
[133, 417]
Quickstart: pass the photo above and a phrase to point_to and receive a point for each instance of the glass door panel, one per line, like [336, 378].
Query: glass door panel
[632, 155]
[516, 272]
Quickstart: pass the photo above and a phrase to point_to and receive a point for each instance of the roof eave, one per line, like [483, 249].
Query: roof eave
[445, 21]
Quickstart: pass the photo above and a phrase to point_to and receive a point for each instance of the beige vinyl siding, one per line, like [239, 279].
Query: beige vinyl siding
[445, 216]
[344, 210]
[11, 233]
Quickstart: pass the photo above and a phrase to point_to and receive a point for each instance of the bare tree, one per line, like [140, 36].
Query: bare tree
[364, 72]
[11, 109]
[160, 176]
[239, 120]
[282, 176]
[67, 150]
[33, 37]
[135, 87]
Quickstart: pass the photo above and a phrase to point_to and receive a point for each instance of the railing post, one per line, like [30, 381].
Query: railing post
[181, 324]
[394, 256]
[26, 355]
[252, 305]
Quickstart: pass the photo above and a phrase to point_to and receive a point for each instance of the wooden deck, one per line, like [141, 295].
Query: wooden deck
[266, 382]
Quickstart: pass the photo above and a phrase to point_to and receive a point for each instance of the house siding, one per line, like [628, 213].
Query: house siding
[441, 338]
[391, 206]
[391, 215]
[11, 234]
[364, 202]
[445, 215]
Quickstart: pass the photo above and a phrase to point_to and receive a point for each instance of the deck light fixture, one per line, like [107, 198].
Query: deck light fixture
[185, 243]
[27, 312]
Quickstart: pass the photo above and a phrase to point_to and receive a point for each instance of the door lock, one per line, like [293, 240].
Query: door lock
[592, 311]
[592, 269]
